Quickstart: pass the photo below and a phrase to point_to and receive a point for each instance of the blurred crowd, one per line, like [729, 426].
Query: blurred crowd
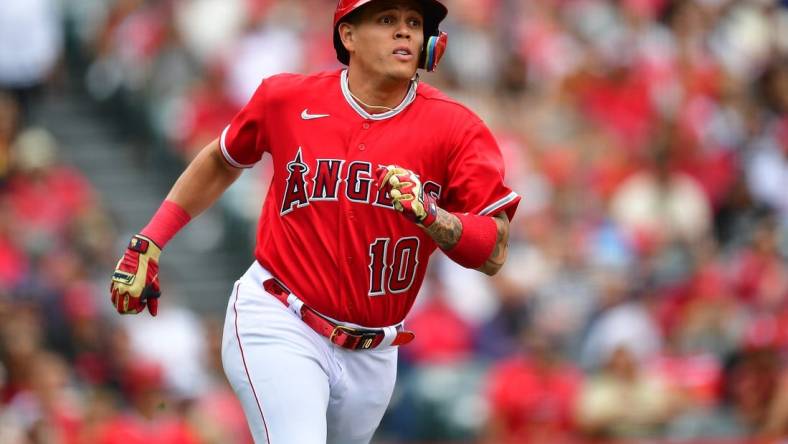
[646, 292]
[71, 371]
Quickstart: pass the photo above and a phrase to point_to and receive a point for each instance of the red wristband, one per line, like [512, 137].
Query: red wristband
[167, 221]
[432, 211]
[477, 240]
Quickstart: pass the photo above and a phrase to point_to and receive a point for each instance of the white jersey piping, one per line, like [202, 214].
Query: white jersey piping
[498, 204]
[226, 154]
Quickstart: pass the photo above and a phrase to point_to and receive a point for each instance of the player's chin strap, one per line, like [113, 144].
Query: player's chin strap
[433, 51]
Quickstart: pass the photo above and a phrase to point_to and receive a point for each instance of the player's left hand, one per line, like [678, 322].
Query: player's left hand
[135, 282]
[408, 196]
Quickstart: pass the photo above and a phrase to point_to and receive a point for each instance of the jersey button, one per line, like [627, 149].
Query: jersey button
[350, 259]
[365, 125]
[362, 147]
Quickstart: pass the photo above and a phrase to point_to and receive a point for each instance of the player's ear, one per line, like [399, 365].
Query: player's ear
[346, 34]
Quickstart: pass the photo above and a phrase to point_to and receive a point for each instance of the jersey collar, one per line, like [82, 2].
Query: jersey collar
[409, 98]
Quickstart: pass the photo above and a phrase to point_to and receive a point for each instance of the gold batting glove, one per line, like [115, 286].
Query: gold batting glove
[135, 281]
[407, 194]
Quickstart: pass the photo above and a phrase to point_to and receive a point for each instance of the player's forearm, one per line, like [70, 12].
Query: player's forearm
[203, 181]
[501, 249]
[447, 230]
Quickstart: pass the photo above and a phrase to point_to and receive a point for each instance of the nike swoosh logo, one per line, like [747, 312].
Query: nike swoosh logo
[306, 116]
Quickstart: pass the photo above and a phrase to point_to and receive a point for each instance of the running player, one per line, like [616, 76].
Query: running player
[373, 171]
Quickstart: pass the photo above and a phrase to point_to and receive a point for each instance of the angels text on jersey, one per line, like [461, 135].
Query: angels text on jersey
[324, 180]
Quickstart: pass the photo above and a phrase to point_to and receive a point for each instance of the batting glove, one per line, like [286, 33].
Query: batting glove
[408, 196]
[135, 282]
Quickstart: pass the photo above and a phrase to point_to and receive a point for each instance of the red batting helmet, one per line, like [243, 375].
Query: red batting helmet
[434, 40]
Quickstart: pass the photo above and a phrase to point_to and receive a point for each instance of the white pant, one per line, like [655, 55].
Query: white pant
[295, 386]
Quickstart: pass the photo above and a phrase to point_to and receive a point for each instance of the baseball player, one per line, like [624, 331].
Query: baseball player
[373, 171]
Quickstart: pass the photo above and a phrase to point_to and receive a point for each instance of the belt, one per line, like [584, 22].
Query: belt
[342, 335]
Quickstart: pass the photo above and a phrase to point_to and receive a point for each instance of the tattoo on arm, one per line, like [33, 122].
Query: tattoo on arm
[498, 256]
[446, 230]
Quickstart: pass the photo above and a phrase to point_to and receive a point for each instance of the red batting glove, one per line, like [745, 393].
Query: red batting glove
[135, 282]
[408, 196]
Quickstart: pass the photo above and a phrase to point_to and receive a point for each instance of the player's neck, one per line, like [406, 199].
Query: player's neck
[376, 95]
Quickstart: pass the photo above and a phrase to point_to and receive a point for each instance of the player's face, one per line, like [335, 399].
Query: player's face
[388, 38]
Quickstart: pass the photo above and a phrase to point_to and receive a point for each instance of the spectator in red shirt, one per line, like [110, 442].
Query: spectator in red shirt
[206, 113]
[151, 418]
[532, 395]
[14, 261]
[450, 336]
[759, 271]
[45, 196]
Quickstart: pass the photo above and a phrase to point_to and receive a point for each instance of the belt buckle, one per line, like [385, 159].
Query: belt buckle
[365, 340]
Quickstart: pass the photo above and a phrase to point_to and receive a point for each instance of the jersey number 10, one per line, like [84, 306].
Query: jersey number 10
[392, 270]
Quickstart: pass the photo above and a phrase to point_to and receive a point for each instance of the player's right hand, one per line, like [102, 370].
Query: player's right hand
[135, 282]
[407, 194]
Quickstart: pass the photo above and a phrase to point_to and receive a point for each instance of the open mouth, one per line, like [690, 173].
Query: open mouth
[403, 53]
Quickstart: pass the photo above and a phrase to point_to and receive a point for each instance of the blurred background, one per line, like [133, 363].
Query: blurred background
[645, 297]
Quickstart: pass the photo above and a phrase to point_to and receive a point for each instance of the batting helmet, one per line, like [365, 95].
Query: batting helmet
[434, 40]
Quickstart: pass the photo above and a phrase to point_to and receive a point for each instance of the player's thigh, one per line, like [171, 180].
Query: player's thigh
[361, 394]
[275, 370]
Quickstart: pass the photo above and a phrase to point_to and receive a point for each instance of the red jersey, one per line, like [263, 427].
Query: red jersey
[326, 231]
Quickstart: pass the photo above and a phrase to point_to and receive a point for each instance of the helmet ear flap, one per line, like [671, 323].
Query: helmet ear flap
[433, 51]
